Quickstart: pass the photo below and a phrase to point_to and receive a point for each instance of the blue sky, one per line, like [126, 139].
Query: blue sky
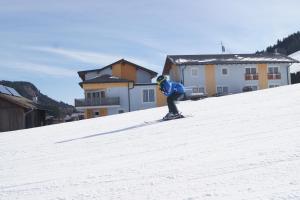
[47, 42]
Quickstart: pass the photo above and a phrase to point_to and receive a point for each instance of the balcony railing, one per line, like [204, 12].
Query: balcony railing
[251, 77]
[108, 101]
[274, 76]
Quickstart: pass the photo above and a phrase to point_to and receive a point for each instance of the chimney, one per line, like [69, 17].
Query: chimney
[222, 47]
[35, 99]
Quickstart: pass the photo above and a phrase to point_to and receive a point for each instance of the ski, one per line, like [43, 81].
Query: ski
[164, 120]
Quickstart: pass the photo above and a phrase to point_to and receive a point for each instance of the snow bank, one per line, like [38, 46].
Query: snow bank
[244, 146]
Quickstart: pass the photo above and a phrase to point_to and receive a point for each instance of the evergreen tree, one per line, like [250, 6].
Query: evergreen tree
[287, 46]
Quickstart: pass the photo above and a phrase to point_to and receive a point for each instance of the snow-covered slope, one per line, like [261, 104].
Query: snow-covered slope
[244, 146]
[295, 67]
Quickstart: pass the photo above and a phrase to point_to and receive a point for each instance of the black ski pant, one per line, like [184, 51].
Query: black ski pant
[171, 102]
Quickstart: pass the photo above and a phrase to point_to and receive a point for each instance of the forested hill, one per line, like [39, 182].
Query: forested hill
[28, 90]
[287, 46]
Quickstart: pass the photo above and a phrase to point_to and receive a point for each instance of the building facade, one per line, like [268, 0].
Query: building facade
[17, 112]
[221, 74]
[117, 88]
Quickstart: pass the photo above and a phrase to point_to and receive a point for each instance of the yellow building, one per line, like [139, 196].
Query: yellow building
[119, 87]
[221, 74]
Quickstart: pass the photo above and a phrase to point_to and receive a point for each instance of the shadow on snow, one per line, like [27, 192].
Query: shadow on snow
[110, 132]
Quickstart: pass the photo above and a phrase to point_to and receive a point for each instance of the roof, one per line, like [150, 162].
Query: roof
[11, 95]
[225, 59]
[105, 79]
[9, 91]
[20, 101]
[82, 73]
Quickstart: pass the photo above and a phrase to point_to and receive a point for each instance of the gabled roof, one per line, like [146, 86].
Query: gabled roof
[82, 73]
[105, 79]
[225, 59]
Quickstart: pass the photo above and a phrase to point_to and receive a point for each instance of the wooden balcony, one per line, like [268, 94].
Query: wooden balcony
[274, 76]
[108, 101]
[251, 77]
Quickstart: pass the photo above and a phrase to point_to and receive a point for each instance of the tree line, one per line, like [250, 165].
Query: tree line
[287, 46]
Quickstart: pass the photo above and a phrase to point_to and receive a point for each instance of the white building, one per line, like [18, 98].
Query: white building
[295, 67]
[223, 74]
[119, 87]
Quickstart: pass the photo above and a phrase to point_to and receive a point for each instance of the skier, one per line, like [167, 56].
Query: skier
[173, 91]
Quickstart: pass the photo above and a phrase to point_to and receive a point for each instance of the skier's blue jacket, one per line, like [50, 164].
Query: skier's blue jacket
[168, 88]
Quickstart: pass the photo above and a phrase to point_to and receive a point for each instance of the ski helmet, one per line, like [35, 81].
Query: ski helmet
[160, 79]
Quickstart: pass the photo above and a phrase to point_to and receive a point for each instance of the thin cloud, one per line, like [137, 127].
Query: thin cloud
[83, 56]
[92, 57]
[40, 69]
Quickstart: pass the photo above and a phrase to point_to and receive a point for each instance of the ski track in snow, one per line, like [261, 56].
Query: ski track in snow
[244, 146]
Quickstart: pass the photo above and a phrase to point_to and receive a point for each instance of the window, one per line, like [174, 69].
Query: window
[88, 95]
[254, 87]
[250, 88]
[95, 94]
[96, 114]
[199, 90]
[222, 90]
[274, 85]
[102, 94]
[194, 71]
[148, 95]
[250, 70]
[224, 71]
[251, 73]
[273, 70]
[92, 95]
[273, 73]
[225, 90]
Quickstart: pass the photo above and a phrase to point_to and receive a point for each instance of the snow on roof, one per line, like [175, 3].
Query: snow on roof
[243, 151]
[229, 59]
[296, 66]
[181, 60]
